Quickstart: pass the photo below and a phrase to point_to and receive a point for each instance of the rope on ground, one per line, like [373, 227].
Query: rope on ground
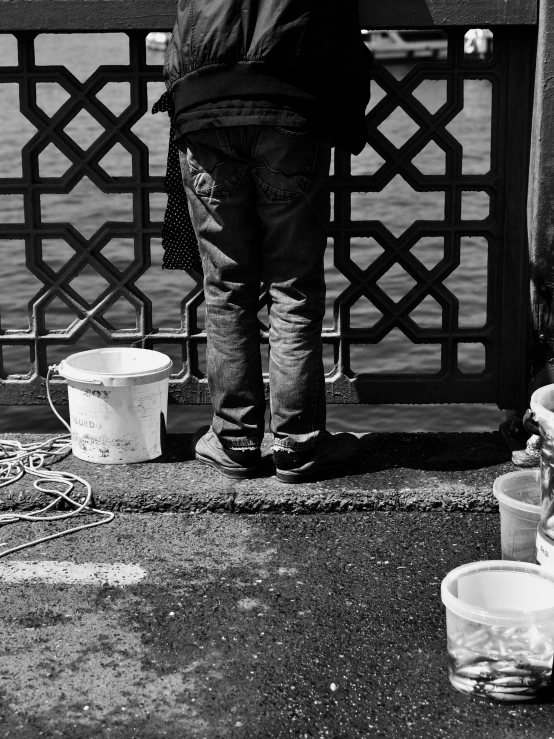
[17, 459]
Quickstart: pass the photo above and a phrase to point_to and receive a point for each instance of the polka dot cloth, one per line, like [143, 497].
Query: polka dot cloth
[178, 238]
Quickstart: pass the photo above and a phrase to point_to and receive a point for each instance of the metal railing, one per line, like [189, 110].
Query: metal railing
[499, 231]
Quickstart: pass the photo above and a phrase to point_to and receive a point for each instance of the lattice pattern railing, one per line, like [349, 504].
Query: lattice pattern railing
[393, 284]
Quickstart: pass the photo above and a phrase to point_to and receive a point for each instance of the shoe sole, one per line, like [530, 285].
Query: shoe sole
[241, 473]
[292, 478]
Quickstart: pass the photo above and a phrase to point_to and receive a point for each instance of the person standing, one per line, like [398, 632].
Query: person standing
[262, 90]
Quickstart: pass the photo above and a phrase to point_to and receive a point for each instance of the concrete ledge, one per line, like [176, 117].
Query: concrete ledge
[409, 472]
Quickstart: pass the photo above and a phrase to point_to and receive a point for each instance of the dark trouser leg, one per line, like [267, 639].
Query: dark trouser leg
[291, 170]
[220, 191]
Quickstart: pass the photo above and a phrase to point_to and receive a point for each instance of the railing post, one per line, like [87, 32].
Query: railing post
[541, 207]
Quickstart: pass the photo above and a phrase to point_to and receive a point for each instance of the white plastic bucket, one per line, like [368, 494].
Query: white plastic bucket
[500, 629]
[117, 403]
[519, 497]
[542, 407]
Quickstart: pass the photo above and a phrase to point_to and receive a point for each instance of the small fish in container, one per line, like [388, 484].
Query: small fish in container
[500, 629]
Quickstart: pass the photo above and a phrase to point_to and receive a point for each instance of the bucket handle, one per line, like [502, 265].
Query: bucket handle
[57, 368]
[530, 423]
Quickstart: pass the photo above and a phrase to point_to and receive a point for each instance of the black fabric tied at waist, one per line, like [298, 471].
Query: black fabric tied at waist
[178, 238]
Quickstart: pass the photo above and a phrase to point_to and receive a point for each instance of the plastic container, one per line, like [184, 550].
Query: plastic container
[500, 629]
[542, 408]
[117, 403]
[519, 495]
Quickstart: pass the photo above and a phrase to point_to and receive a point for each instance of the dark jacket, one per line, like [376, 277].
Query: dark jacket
[309, 54]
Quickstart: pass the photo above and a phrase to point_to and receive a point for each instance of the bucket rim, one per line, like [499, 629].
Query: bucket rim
[143, 376]
[543, 535]
[488, 617]
[520, 505]
[539, 410]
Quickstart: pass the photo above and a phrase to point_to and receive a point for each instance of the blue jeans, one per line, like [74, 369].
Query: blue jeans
[259, 203]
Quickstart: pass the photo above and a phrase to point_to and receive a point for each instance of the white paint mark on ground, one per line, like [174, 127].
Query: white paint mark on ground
[247, 604]
[88, 573]
[287, 571]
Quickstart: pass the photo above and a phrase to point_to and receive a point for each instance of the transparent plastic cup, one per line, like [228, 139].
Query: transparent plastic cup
[519, 500]
[500, 629]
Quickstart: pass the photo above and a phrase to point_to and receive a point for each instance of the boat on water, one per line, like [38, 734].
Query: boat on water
[158, 40]
[403, 45]
[478, 42]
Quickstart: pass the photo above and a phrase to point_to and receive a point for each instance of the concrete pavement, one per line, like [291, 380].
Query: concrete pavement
[274, 626]
[453, 471]
[186, 617]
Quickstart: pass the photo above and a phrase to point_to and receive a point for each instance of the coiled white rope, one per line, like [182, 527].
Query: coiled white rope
[17, 459]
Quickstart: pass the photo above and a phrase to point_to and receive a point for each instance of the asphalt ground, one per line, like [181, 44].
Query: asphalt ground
[275, 625]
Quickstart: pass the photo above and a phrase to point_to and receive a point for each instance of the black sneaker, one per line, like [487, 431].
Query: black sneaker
[332, 455]
[236, 463]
